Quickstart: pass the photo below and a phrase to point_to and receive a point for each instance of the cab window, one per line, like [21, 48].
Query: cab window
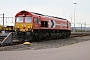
[28, 19]
[19, 19]
[36, 20]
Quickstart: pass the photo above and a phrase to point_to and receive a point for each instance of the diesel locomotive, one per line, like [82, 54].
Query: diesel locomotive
[35, 26]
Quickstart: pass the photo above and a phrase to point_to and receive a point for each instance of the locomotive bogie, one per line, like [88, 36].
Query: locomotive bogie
[40, 35]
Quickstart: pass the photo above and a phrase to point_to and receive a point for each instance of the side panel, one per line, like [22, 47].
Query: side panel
[54, 24]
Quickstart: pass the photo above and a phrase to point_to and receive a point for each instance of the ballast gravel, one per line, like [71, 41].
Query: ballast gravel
[55, 43]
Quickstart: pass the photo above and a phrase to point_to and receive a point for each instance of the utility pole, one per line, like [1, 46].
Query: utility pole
[3, 22]
[85, 26]
[74, 16]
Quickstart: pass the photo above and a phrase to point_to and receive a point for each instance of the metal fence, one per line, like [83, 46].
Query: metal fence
[7, 21]
[80, 26]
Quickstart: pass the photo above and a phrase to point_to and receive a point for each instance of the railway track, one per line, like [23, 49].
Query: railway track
[78, 34]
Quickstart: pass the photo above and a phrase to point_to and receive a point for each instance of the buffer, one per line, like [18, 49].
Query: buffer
[6, 39]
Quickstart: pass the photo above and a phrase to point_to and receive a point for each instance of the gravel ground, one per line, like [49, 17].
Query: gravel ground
[46, 44]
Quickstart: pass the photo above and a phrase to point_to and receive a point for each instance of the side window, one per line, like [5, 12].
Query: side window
[44, 24]
[36, 20]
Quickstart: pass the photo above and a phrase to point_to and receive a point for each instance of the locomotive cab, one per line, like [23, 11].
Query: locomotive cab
[23, 25]
[23, 22]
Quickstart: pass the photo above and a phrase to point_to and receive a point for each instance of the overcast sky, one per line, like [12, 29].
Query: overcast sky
[59, 8]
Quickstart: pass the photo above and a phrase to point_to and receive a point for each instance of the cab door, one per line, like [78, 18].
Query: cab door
[36, 22]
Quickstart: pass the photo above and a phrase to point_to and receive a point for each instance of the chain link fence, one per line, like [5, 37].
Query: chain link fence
[80, 27]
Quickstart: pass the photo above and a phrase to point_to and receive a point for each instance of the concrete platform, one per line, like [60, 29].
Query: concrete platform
[79, 51]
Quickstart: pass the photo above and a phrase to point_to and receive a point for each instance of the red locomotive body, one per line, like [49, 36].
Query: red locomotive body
[35, 26]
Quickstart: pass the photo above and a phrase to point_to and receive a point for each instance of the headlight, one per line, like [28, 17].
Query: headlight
[29, 29]
[17, 29]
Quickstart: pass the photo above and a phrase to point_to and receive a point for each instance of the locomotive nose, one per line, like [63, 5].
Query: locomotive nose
[27, 27]
[24, 27]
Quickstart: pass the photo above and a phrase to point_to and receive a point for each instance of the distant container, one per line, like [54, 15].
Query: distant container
[0, 28]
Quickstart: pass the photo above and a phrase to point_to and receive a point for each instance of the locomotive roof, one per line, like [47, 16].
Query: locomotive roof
[27, 12]
[47, 15]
